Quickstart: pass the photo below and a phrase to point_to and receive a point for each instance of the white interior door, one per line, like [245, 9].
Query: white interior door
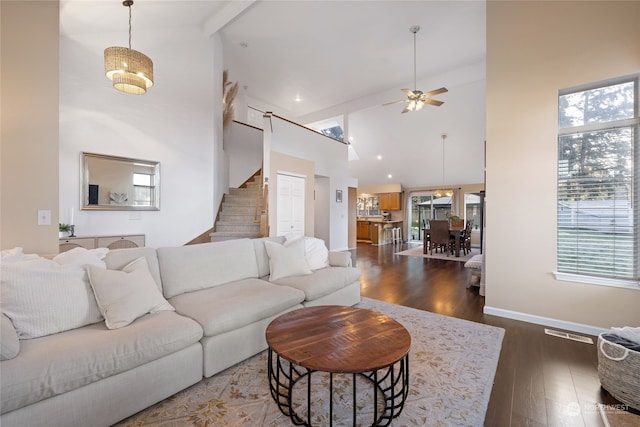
[290, 205]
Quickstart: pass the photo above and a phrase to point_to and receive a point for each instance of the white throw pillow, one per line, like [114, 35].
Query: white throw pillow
[41, 297]
[16, 254]
[125, 295]
[81, 257]
[286, 261]
[315, 250]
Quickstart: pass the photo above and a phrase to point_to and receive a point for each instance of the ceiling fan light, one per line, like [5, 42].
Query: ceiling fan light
[419, 105]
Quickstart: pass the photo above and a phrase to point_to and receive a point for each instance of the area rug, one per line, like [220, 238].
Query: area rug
[452, 364]
[417, 251]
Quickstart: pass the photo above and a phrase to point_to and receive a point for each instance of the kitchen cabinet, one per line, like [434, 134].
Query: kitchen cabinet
[363, 230]
[390, 201]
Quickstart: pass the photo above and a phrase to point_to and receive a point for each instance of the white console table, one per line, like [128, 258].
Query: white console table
[111, 242]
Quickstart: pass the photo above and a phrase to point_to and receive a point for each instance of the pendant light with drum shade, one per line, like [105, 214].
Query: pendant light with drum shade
[131, 71]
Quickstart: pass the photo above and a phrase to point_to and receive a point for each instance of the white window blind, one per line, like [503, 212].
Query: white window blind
[598, 182]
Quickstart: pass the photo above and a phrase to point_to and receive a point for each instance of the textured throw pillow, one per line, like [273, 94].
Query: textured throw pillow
[315, 250]
[41, 297]
[286, 261]
[125, 295]
[9, 342]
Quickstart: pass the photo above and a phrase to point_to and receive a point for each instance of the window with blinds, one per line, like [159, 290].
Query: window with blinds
[598, 183]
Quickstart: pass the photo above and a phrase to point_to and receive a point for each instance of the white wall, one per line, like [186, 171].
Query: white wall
[330, 159]
[534, 49]
[322, 208]
[177, 122]
[243, 146]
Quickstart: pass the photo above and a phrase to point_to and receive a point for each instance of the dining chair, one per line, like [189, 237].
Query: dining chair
[426, 238]
[465, 238]
[440, 236]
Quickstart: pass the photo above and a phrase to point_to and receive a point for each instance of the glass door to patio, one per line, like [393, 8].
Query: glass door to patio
[423, 208]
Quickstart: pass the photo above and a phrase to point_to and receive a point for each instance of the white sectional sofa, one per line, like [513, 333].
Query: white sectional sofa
[224, 295]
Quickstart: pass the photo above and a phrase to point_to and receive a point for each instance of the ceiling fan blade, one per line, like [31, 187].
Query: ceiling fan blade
[433, 102]
[436, 91]
[406, 109]
[408, 92]
[395, 102]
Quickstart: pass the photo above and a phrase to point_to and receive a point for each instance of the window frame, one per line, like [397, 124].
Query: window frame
[634, 124]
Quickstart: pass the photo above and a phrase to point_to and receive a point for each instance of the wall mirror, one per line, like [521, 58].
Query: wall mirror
[119, 183]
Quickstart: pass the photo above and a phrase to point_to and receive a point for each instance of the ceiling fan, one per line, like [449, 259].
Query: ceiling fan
[416, 98]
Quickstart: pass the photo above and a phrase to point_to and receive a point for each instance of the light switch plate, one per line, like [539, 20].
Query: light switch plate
[44, 217]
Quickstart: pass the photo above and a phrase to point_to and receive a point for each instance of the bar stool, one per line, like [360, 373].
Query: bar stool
[396, 234]
[388, 233]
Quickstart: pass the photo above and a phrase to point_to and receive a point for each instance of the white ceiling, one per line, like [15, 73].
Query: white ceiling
[328, 53]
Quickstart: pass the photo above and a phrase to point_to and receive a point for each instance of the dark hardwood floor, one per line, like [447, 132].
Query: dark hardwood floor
[541, 380]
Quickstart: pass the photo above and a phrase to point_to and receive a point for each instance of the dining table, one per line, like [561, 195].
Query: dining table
[455, 231]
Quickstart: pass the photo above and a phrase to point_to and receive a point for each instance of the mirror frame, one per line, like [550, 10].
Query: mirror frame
[85, 177]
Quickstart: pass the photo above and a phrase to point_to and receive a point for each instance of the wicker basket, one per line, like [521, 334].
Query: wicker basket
[619, 371]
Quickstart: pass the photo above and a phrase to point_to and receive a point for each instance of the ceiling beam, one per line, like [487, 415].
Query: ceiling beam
[227, 13]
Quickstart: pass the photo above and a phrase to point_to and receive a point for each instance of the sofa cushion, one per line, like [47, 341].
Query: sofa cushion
[194, 267]
[42, 297]
[125, 295]
[234, 305]
[85, 355]
[261, 253]
[9, 342]
[117, 259]
[287, 260]
[475, 262]
[322, 282]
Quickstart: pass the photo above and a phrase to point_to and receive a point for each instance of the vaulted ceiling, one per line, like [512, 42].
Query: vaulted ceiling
[311, 60]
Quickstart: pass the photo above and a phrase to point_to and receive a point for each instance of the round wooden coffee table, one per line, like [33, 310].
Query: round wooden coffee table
[339, 340]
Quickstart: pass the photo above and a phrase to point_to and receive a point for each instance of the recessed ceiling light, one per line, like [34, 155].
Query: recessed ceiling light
[379, 157]
[298, 99]
[389, 176]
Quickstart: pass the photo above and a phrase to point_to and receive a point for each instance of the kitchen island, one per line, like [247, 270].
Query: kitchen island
[376, 231]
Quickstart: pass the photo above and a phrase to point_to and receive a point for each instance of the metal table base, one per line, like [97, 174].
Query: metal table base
[392, 382]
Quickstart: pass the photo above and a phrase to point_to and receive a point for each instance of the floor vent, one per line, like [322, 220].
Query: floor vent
[568, 336]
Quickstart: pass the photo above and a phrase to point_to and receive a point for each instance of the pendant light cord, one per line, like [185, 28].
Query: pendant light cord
[444, 136]
[129, 26]
[414, 60]
[128, 4]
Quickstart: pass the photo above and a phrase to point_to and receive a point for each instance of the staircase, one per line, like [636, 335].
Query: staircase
[240, 212]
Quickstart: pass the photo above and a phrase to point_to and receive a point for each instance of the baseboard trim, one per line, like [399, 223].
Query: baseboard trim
[546, 321]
